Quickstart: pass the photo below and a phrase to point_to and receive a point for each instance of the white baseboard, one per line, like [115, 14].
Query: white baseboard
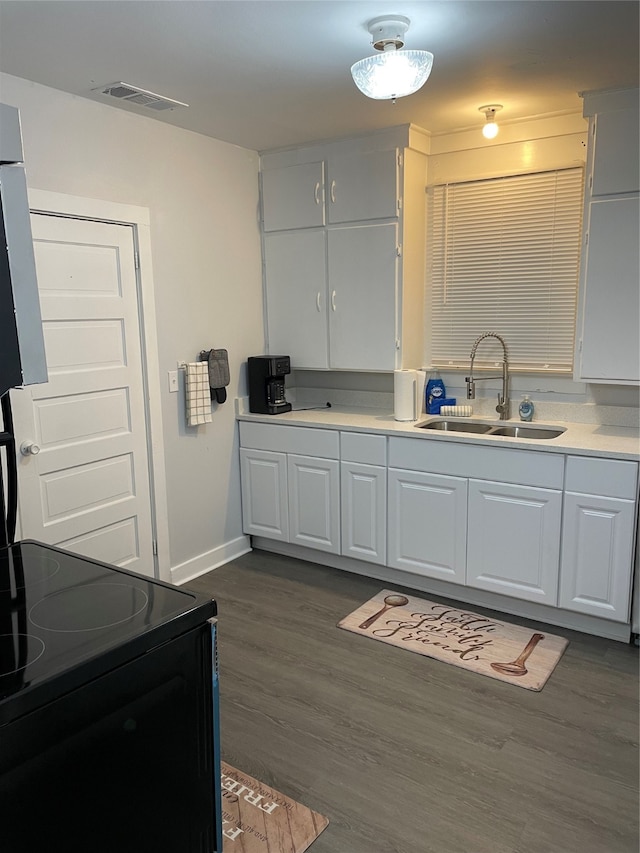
[210, 560]
[529, 610]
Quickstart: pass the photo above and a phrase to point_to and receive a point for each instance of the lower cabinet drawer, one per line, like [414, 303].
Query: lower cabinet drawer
[290, 439]
[458, 459]
[612, 478]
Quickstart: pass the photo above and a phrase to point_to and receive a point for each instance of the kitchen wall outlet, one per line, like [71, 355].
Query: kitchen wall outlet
[173, 380]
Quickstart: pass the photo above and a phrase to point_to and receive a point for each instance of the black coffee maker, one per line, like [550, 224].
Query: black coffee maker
[266, 384]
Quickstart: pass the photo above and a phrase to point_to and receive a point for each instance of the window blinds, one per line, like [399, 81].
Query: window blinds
[504, 257]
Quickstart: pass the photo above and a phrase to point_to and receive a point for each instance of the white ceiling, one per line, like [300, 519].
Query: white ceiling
[270, 73]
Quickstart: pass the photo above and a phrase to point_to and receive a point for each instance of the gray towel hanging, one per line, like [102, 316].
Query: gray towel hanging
[218, 372]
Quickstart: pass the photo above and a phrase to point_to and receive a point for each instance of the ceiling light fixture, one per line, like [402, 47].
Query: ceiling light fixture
[392, 73]
[490, 130]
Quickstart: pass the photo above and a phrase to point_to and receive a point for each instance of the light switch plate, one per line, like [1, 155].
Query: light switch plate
[173, 380]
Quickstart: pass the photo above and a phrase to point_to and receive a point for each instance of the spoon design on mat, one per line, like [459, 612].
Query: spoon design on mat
[517, 667]
[389, 601]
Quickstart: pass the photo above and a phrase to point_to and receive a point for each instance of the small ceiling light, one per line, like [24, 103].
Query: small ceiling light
[392, 73]
[490, 130]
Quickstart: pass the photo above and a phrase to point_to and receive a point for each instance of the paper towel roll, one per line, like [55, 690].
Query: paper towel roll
[421, 386]
[404, 395]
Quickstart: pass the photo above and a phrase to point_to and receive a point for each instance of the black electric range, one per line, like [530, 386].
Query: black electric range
[66, 619]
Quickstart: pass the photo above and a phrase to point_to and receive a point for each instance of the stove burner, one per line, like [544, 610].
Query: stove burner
[88, 608]
[41, 568]
[12, 652]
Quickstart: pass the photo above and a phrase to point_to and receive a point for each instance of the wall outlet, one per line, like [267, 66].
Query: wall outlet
[173, 380]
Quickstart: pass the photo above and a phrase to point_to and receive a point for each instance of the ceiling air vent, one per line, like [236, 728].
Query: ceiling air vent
[140, 97]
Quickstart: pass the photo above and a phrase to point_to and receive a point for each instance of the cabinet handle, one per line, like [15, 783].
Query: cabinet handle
[318, 301]
[333, 300]
[316, 192]
[333, 191]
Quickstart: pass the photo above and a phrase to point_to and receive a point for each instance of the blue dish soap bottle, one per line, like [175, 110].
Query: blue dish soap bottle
[526, 409]
[435, 393]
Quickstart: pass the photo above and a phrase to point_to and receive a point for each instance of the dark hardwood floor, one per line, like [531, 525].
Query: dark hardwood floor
[405, 754]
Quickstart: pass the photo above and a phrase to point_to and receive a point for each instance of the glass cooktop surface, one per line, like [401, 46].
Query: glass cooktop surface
[59, 610]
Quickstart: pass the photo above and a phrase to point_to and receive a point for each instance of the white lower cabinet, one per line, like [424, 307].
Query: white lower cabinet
[549, 528]
[598, 537]
[428, 524]
[513, 541]
[314, 502]
[291, 496]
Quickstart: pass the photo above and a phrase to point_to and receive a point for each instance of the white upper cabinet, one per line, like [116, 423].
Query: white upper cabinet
[293, 197]
[344, 251]
[608, 332]
[615, 155]
[363, 186]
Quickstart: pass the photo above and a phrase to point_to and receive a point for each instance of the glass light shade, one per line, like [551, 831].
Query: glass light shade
[392, 73]
[490, 130]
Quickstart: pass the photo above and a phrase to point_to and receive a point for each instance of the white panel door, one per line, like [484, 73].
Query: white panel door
[513, 544]
[428, 524]
[265, 506]
[314, 502]
[85, 484]
[364, 511]
[597, 556]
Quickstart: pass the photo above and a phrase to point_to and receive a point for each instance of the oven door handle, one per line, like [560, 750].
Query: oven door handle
[217, 768]
[7, 439]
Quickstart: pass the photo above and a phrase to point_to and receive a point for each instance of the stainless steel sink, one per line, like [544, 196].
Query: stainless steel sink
[512, 431]
[456, 426]
[526, 432]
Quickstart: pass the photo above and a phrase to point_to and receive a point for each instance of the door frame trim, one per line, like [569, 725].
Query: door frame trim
[48, 202]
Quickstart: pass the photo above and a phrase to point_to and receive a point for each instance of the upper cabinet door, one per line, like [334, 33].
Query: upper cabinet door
[610, 340]
[362, 298]
[362, 186]
[296, 296]
[293, 197]
[615, 163]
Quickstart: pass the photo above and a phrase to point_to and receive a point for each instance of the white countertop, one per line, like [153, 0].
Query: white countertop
[579, 438]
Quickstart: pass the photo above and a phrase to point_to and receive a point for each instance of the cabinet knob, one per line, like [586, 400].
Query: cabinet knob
[316, 192]
[333, 192]
[333, 300]
[29, 448]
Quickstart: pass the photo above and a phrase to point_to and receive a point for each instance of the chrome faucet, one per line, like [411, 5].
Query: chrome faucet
[503, 399]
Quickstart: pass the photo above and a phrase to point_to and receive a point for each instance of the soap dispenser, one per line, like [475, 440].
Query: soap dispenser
[526, 409]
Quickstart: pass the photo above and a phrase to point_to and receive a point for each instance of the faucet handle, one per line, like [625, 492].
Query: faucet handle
[471, 387]
[503, 408]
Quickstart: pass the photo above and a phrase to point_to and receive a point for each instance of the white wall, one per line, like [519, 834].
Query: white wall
[202, 195]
